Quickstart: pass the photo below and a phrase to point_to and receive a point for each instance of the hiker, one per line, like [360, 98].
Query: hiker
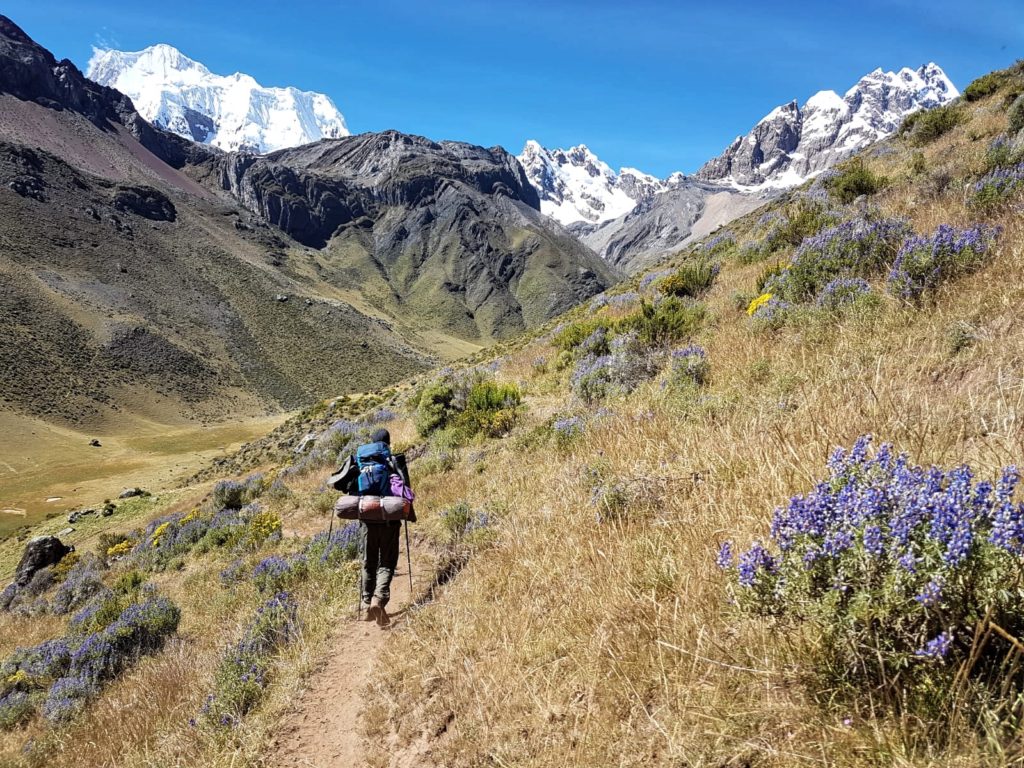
[380, 475]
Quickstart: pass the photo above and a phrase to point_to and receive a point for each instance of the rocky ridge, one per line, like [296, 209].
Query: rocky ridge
[793, 143]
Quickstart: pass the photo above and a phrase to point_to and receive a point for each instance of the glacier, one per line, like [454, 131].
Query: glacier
[231, 112]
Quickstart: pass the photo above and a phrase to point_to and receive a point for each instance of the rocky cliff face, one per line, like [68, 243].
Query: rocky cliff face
[440, 229]
[312, 191]
[793, 143]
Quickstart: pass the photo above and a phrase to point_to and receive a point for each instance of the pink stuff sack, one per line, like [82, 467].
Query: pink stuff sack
[400, 489]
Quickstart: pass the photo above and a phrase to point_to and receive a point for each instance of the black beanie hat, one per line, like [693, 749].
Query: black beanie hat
[381, 436]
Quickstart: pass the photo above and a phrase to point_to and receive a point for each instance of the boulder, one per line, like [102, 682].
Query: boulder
[39, 553]
[128, 493]
[306, 442]
[146, 202]
[94, 443]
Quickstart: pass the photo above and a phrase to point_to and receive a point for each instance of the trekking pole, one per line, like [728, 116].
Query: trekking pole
[362, 577]
[408, 557]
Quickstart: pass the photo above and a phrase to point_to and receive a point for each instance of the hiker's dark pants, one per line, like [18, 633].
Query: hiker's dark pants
[380, 557]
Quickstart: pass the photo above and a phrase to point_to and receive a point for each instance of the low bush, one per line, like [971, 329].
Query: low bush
[83, 582]
[169, 537]
[841, 292]
[692, 279]
[628, 364]
[111, 541]
[1015, 116]
[853, 179]
[858, 248]
[800, 220]
[984, 86]
[491, 409]
[688, 368]
[102, 656]
[717, 247]
[335, 548]
[461, 520]
[435, 408]
[910, 577]
[669, 320]
[242, 675]
[997, 187]
[231, 494]
[926, 125]
[924, 262]
[573, 335]
[275, 573]
[566, 429]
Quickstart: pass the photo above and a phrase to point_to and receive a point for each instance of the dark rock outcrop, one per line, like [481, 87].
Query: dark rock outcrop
[310, 192]
[39, 553]
[146, 202]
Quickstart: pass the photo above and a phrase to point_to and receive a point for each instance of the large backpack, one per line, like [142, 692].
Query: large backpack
[374, 462]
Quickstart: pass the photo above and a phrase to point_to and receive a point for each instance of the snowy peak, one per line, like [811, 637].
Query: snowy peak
[232, 112]
[792, 143]
[577, 186]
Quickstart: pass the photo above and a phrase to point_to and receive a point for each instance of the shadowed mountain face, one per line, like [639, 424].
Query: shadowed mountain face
[142, 273]
[447, 231]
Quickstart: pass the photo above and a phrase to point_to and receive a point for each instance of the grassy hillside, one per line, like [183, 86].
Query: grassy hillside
[580, 482]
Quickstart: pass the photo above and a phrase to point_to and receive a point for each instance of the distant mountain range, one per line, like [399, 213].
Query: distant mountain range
[232, 112]
[789, 145]
[144, 274]
[217, 236]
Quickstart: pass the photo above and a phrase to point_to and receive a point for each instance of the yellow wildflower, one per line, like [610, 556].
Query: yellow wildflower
[759, 302]
[120, 549]
[160, 531]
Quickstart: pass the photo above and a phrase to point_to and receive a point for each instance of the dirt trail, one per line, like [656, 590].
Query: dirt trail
[322, 731]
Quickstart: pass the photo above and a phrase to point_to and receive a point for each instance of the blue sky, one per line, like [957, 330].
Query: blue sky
[660, 86]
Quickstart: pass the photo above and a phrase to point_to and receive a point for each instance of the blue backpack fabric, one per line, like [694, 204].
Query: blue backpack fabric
[374, 462]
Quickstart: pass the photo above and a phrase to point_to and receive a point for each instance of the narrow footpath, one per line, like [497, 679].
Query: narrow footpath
[323, 728]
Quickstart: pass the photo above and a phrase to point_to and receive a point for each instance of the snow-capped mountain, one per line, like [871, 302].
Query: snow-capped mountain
[792, 143]
[576, 186]
[232, 112]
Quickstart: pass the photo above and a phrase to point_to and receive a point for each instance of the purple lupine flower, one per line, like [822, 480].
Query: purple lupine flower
[923, 262]
[842, 291]
[937, 647]
[931, 595]
[724, 558]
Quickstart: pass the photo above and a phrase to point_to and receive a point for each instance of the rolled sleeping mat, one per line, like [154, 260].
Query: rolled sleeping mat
[374, 508]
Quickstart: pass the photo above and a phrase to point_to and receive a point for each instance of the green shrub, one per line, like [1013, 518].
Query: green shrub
[1015, 114]
[856, 248]
[984, 86]
[435, 408]
[800, 220]
[692, 279]
[491, 408]
[763, 278]
[574, 334]
[917, 163]
[925, 126]
[670, 320]
[854, 179]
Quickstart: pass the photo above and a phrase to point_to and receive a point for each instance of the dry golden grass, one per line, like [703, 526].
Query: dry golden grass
[575, 642]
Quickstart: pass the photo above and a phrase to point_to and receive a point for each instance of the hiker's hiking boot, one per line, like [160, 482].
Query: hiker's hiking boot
[365, 608]
[378, 612]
